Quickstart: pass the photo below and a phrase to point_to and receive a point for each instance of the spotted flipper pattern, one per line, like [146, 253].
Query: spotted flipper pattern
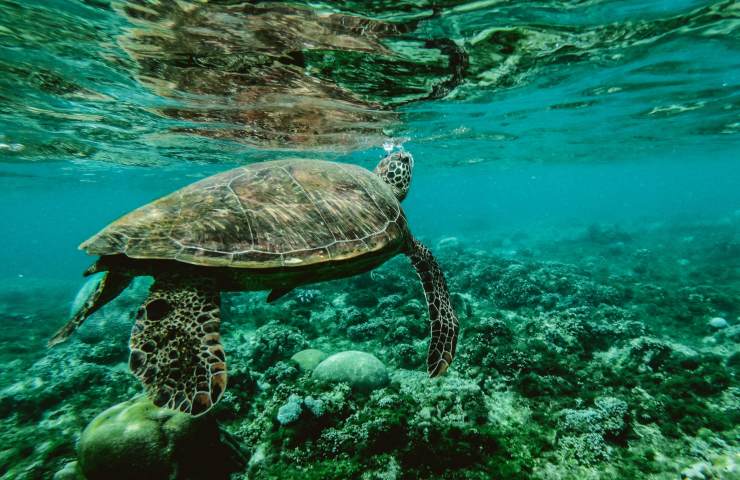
[176, 348]
[443, 322]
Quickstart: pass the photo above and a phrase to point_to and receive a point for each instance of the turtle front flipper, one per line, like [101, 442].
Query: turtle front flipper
[176, 347]
[443, 322]
[96, 292]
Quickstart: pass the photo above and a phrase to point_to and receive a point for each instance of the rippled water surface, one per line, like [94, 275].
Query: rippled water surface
[486, 81]
[574, 162]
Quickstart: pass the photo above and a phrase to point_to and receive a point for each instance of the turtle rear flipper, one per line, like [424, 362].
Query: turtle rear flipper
[443, 322]
[109, 286]
[176, 347]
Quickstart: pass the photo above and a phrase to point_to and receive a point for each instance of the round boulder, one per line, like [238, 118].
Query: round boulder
[718, 323]
[308, 359]
[362, 371]
[70, 471]
[136, 439]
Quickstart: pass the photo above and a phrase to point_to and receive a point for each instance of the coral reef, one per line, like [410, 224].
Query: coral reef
[599, 356]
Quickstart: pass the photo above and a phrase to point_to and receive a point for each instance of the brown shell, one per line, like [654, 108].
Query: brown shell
[265, 215]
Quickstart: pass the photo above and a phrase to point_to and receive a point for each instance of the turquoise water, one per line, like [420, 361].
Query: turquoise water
[576, 170]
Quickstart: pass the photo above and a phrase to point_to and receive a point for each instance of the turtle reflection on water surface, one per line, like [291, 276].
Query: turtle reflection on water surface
[267, 226]
[243, 72]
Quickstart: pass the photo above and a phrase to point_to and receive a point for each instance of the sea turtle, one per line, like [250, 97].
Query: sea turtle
[268, 226]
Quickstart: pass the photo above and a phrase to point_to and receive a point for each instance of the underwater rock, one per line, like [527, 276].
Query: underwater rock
[136, 439]
[362, 371]
[718, 323]
[70, 471]
[308, 359]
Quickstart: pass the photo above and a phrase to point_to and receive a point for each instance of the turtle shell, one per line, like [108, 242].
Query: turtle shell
[266, 215]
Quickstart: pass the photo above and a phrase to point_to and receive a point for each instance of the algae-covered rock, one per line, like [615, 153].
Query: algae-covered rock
[718, 323]
[136, 439]
[309, 359]
[71, 471]
[362, 371]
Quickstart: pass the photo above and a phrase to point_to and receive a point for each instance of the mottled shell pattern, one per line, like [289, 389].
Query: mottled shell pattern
[265, 215]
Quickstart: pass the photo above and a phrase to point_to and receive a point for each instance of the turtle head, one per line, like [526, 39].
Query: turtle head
[395, 170]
